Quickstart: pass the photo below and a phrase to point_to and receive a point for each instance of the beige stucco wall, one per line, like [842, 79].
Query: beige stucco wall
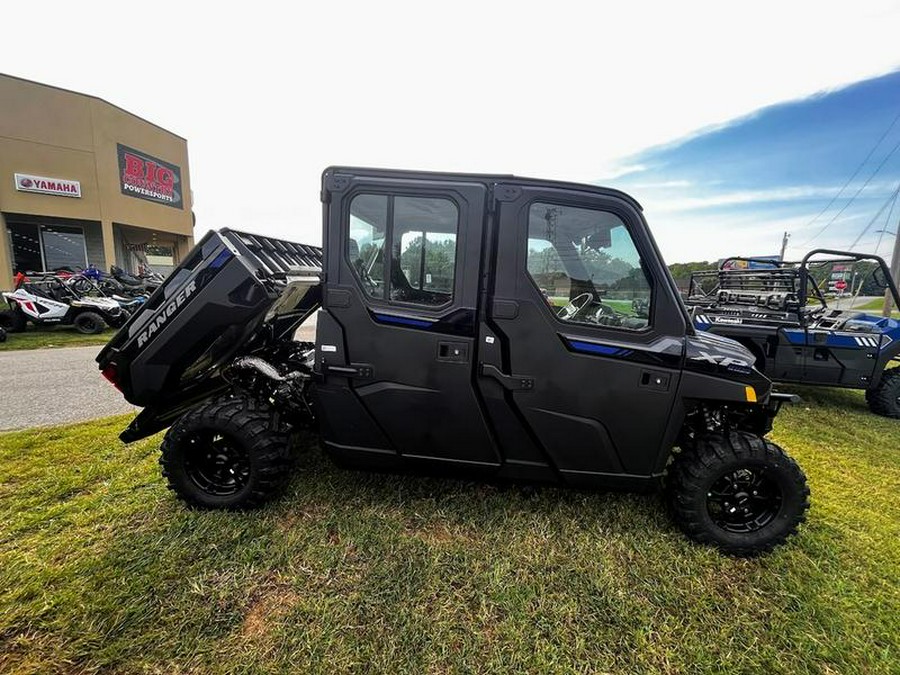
[61, 134]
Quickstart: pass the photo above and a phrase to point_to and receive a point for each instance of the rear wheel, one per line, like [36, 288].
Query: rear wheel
[885, 398]
[89, 323]
[738, 492]
[226, 454]
[12, 321]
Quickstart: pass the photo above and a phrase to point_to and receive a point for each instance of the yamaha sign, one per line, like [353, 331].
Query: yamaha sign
[25, 182]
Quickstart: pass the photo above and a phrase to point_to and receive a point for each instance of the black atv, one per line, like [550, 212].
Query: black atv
[120, 282]
[483, 326]
[779, 311]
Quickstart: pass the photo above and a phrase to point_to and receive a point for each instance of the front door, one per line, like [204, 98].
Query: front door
[584, 337]
[396, 339]
[839, 358]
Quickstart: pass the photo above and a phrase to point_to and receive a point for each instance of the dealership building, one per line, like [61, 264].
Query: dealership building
[83, 182]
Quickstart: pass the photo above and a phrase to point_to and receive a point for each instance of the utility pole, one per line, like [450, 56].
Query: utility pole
[895, 273]
[784, 241]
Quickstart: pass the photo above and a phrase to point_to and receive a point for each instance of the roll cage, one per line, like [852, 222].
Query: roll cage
[777, 285]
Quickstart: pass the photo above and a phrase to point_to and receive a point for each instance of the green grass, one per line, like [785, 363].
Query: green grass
[877, 305]
[622, 306]
[101, 569]
[57, 336]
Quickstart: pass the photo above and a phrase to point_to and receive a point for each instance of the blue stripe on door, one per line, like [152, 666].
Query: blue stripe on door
[595, 348]
[402, 320]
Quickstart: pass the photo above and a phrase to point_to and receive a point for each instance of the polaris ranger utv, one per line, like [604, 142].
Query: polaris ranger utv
[485, 326]
[768, 310]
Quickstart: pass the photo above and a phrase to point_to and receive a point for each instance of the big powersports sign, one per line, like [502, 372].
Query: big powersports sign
[147, 177]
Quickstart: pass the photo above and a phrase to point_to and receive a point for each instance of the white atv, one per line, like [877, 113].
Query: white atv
[50, 301]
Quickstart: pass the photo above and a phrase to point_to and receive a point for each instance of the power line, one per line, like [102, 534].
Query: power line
[858, 169]
[889, 201]
[855, 195]
[887, 222]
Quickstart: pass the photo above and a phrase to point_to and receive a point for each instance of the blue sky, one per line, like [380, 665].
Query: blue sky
[733, 189]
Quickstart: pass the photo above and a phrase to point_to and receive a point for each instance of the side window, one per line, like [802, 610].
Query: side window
[585, 263]
[428, 260]
[422, 232]
[365, 243]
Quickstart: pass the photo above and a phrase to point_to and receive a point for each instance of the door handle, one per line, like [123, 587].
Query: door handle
[361, 370]
[509, 382]
[454, 352]
[655, 380]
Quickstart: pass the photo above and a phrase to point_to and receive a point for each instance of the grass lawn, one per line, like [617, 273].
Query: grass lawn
[623, 306]
[57, 336]
[877, 305]
[101, 569]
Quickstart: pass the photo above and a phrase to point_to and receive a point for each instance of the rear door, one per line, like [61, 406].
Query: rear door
[396, 340]
[585, 336]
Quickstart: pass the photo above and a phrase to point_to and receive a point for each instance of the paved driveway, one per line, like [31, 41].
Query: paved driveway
[54, 386]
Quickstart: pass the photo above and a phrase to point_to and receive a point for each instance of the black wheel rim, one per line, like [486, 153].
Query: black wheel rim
[744, 500]
[216, 464]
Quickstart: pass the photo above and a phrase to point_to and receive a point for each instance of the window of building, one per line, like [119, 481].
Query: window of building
[587, 266]
[25, 244]
[64, 247]
[160, 258]
[423, 234]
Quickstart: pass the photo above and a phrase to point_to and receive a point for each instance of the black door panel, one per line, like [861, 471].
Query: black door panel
[404, 309]
[566, 436]
[592, 383]
[581, 401]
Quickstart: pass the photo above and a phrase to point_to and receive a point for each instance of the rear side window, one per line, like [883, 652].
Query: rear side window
[366, 240]
[403, 249]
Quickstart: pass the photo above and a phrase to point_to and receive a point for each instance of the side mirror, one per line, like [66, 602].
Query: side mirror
[879, 278]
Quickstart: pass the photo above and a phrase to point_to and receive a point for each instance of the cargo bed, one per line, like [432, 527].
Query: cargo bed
[210, 308]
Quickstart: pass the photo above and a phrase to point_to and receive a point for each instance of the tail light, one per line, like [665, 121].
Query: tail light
[112, 374]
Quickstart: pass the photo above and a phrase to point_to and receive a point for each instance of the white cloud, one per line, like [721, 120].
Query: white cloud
[760, 197]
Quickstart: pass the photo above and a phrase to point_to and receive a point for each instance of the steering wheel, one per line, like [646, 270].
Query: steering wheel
[575, 305]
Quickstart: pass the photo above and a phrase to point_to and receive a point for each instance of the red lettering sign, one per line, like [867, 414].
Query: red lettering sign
[165, 176]
[134, 166]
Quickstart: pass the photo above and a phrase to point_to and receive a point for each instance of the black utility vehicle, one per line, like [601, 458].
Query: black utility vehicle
[486, 326]
[768, 310]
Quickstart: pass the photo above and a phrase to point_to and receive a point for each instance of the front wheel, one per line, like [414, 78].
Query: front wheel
[89, 323]
[226, 454]
[738, 492]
